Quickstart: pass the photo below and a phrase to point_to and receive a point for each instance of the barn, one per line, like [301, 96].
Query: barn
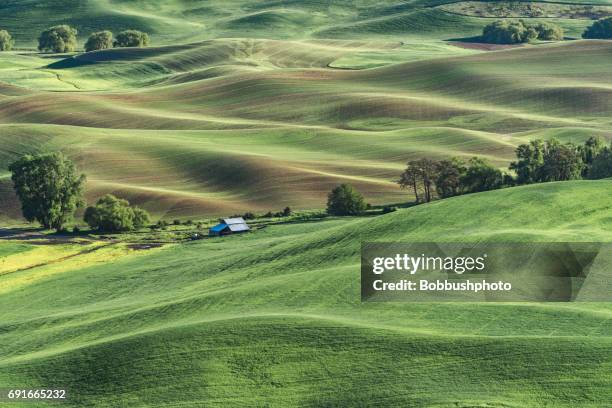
[229, 226]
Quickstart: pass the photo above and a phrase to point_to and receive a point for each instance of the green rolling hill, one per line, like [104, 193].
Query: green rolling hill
[233, 125]
[180, 21]
[257, 105]
[274, 318]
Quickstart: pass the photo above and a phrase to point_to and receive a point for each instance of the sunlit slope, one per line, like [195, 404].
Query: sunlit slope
[178, 21]
[260, 132]
[274, 317]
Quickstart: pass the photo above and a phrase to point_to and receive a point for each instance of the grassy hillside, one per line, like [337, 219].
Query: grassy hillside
[273, 318]
[257, 105]
[179, 21]
[236, 125]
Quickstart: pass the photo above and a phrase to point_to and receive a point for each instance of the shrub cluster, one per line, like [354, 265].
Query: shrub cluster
[128, 38]
[113, 214]
[286, 212]
[345, 200]
[61, 38]
[99, 41]
[131, 38]
[600, 29]
[6, 41]
[518, 31]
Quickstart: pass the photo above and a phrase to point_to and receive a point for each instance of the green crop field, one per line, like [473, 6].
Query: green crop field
[274, 318]
[256, 105]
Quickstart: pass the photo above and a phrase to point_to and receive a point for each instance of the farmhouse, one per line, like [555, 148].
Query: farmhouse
[229, 226]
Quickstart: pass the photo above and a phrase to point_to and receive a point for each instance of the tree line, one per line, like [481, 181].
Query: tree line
[51, 189]
[508, 31]
[519, 31]
[63, 38]
[538, 161]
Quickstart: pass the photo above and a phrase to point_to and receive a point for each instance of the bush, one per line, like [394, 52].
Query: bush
[114, 214]
[600, 29]
[388, 209]
[248, 216]
[345, 200]
[480, 175]
[268, 215]
[508, 32]
[176, 222]
[99, 41]
[61, 38]
[131, 38]
[549, 32]
[141, 217]
[189, 222]
[6, 41]
[287, 212]
[514, 32]
[76, 229]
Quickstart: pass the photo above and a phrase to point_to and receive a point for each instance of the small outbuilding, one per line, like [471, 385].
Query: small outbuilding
[229, 226]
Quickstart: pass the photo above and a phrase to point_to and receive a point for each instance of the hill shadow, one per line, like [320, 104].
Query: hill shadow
[70, 62]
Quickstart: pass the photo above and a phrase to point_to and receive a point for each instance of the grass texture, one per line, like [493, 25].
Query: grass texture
[273, 318]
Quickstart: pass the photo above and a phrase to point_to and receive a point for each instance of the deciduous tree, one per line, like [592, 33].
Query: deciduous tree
[61, 38]
[345, 200]
[6, 41]
[99, 41]
[49, 188]
[131, 38]
[599, 29]
[114, 214]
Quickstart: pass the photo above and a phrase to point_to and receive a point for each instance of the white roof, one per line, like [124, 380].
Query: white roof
[238, 227]
[232, 221]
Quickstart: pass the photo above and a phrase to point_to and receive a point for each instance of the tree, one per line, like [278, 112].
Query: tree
[448, 177]
[141, 217]
[480, 175]
[600, 29]
[517, 31]
[114, 214]
[61, 38]
[99, 41]
[419, 175]
[6, 41]
[602, 164]
[48, 187]
[549, 32]
[530, 160]
[561, 162]
[411, 178]
[131, 38]
[508, 32]
[592, 147]
[345, 200]
[287, 212]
